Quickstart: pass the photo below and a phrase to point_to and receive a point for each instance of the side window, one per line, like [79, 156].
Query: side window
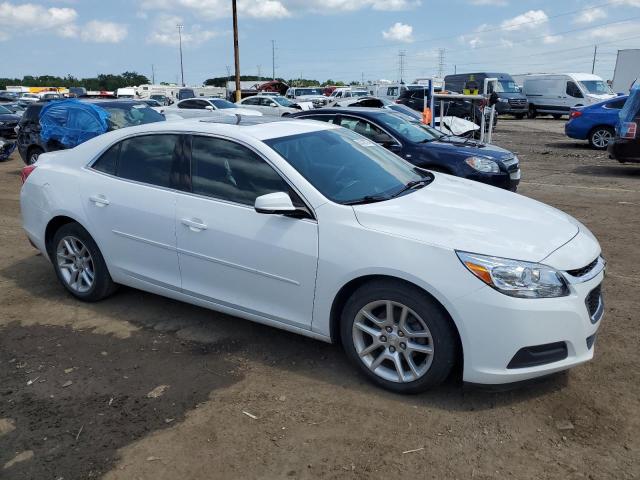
[573, 90]
[187, 104]
[266, 102]
[322, 118]
[365, 129]
[228, 171]
[201, 104]
[150, 159]
[251, 101]
[616, 105]
[108, 161]
[392, 91]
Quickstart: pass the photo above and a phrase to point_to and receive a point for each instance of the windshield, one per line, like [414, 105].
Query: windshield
[359, 93]
[404, 110]
[121, 116]
[220, 103]
[344, 166]
[4, 110]
[308, 91]
[412, 131]
[283, 101]
[507, 86]
[596, 87]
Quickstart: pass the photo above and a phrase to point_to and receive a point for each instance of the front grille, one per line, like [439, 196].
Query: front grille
[594, 304]
[579, 272]
[517, 102]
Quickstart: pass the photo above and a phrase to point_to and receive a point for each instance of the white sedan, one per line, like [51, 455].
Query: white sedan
[207, 108]
[312, 228]
[278, 106]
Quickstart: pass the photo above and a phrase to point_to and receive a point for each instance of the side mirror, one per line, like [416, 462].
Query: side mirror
[273, 105]
[209, 107]
[278, 203]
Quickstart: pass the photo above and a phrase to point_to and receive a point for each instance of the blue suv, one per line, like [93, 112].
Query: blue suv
[595, 123]
[426, 147]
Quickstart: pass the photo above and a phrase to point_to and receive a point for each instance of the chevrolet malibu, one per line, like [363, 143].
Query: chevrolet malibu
[315, 229]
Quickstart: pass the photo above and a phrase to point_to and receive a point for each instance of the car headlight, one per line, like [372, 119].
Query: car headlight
[484, 165]
[1, 123]
[516, 278]
[503, 100]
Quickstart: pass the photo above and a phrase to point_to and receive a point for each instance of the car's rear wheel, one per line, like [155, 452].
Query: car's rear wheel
[398, 336]
[520, 116]
[533, 113]
[79, 265]
[33, 154]
[601, 137]
[557, 116]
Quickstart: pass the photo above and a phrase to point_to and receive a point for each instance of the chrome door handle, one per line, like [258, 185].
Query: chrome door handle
[195, 225]
[99, 200]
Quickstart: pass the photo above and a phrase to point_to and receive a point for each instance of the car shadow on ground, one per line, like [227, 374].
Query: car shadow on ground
[619, 171]
[575, 145]
[273, 347]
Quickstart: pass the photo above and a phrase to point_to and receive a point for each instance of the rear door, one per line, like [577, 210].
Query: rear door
[130, 200]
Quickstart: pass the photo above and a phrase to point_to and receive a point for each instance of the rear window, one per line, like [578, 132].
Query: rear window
[130, 115]
[31, 114]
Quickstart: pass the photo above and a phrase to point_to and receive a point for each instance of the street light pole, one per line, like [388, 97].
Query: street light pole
[236, 49]
[180, 27]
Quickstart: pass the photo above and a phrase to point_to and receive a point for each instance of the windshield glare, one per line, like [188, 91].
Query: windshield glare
[344, 166]
[283, 101]
[596, 87]
[412, 131]
[507, 86]
[308, 91]
[219, 103]
[4, 110]
[122, 116]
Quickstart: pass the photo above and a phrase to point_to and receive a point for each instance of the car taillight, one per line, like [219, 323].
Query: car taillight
[26, 171]
[575, 114]
[628, 130]
[398, 100]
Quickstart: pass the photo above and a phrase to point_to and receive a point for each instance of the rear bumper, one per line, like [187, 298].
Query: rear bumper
[571, 131]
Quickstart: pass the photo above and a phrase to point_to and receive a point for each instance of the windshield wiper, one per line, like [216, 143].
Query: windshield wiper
[413, 184]
[367, 199]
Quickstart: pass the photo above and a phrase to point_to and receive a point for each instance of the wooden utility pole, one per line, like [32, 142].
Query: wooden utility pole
[236, 49]
[180, 27]
[595, 54]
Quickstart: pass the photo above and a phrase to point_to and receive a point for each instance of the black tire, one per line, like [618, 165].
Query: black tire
[596, 137]
[533, 113]
[443, 334]
[32, 155]
[103, 286]
[520, 116]
[557, 116]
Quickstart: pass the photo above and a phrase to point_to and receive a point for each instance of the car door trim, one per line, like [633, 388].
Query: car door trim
[144, 240]
[237, 266]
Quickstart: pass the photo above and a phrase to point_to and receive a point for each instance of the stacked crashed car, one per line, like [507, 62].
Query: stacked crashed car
[58, 125]
[314, 229]
[426, 147]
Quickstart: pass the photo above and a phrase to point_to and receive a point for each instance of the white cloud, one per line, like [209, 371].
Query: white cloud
[166, 32]
[271, 9]
[399, 32]
[29, 15]
[627, 3]
[551, 39]
[103, 32]
[528, 20]
[590, 15]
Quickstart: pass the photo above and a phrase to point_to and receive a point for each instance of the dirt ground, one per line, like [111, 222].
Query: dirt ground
[142, 387]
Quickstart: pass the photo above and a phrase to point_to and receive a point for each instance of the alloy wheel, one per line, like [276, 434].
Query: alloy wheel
[393, 341]
[75, 264]
[602, 138]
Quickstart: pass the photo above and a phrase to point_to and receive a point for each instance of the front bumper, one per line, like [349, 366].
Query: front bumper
[501, 326]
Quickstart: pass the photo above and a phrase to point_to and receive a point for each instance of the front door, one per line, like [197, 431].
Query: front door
[230, 254]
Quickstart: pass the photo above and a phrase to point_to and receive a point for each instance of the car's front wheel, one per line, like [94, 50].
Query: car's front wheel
[79, 265]
[33, 154]
[398, 336]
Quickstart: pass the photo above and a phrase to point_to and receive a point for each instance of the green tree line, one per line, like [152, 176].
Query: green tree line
[101, 82]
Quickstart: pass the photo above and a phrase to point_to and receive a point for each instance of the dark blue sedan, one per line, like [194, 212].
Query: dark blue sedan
[426, 147]
[595, 123]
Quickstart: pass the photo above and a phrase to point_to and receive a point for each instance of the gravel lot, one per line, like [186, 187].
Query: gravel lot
[142, 387]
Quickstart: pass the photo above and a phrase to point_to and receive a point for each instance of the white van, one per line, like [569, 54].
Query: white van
[127, 92]
[556, 94]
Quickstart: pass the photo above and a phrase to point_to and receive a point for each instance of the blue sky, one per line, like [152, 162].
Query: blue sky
[337, 39]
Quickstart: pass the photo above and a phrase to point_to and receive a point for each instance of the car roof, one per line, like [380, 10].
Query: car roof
[365, 111]
[258, 128]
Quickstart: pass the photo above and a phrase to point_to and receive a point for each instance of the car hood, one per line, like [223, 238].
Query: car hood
[459, 214]
[9, 117]
[457, 145]
[241, 111]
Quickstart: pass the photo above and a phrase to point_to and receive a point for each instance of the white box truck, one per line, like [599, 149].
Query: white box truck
[627, 70]
[557, 93]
